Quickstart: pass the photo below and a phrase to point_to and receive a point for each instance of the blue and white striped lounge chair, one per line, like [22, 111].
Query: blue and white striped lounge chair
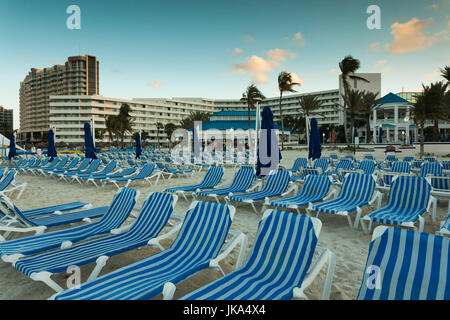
[440, 190]
[170, 172]
[432, 168]
[35, 163]
[408, 159]
[366, 167]
[242, 181]
[8, 184]
[20, 163]
[416, 164]
[127, 172]
[43, 163]
[144, 174]
[211, 180]
[399, 168]
[152, 218]
[15, 221]
[446, 166]
[404, 264]
[314, 189]
[358, 190]
[369, 157]
[82, 166]
[429, 159]
[119, 210]
[298, 163]
[280, 264]
[197, 246]
[102, 173]
[321, 164]
[344, 164]
[445, 226]
[276, 185]
[304, 172]
[58, 166]
[93, 166]
[409, 199]
[72, 164]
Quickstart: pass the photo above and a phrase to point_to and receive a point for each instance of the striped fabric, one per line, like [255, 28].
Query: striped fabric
[298, 163]
[446, 224]
[417, 163]
[408, 159]
[211, 179]
[242, 180]
[121, 174]
[276, 184]
[369, 157]
[165, 168]
[321, 163]
[344, 164]
[44, 164]
[107, 169]
[445, 165]
[279, 259]
[433, 168]
[72, 164]
[314, 189]
[357, 190]
[37, 164]
[408, 198]
[145, 172]
[441, 182]
[90, 169]
[391, 158]
[49, 210]
[83, 165]
[152, 218]
[200, 239]
[412, 266]
[61, 164]
[397, 167]
[304, 172]
[119, 210]
[7, 180]
[429, 159]
[368, 166]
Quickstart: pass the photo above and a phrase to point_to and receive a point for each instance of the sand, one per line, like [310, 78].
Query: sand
[350, 246]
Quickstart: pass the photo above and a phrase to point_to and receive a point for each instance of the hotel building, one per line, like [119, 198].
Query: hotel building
[6, 116]
[78, 76]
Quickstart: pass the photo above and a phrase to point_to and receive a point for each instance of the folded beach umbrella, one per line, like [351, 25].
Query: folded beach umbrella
[51, 152]
[315, 148]
[196, 143]
[12, 147]
[268, 142]
[89, 151]
[380, 135]
[138, 145]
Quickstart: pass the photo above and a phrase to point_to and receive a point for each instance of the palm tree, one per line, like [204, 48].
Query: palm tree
[348, 67]
[169, 128]
[354, 100]
[250, 96]
[440, 89]
[188, 123]
[112, 126]
[370, 103]
[426, 108]
[125, 123]
[159, 126]
[445, 73]
[285, 83]
[308, 105]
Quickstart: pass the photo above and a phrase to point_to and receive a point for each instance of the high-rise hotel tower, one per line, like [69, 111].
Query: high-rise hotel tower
[78, 76]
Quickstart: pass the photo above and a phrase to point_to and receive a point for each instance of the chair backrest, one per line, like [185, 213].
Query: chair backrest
[119, 210]
[146, 171]
[153, 216]
[84, 164]
[429, 159]
[204, 230]
[401, 167]
[109, 167]
[357, 187]
[316, 186]
[321, 163]
[433, 168]
[409, 193]
[391, 158]
[368, 166]
[93, 166]
[212, 176]
[73, 163]
[309, 171]
[6, 181]
[243, 178]
[299, 163]
[406, 265]
[277, 182]
[344, 164]
[417, 163]
[445, 165]
[53, 164]
[441, 182]
[7, 208]
[62, 163]
[408, 158]
[369, 157]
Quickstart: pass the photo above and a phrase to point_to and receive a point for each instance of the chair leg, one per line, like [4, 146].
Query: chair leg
[101, 261]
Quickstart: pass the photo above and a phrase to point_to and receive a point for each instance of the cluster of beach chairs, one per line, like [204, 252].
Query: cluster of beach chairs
[284, 259]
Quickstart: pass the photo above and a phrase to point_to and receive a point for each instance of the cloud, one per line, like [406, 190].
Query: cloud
[433, 76]
[296, 78]
[410, 36]
[156, 84]
[438, 6]
[374, 47]
[334, 70]
[238, 51]
[380, 63]
[257, 66]
[298, 39]
[248, 38]
[381, 66]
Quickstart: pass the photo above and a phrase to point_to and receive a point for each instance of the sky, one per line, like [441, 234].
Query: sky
[216, 48]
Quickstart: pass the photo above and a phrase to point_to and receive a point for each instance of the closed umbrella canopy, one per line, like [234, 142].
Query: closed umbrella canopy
[89, 151]
[269, 154]
[51, 152]
[315, 148]
[138, 145]
[380, 135]
[196, 144]
[12, 147]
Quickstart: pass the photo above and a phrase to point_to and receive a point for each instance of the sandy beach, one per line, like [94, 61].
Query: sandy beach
[350, 246]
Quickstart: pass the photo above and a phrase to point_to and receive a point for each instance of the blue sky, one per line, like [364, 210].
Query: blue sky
[215, 48]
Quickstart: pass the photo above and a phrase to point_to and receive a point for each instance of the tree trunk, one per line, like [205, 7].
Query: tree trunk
[352, 128]
[368, 131]
[422, 129]
[249, 127]
[282, 123]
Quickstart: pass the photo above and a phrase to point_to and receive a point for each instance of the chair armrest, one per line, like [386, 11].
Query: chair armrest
[238, 238]
[293, 187]
[121, 229]
[222, 184]
[256, 185]
[377, 196]
[155, 241]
